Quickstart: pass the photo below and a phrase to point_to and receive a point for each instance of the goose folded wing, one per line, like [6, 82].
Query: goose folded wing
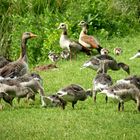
[90, 40]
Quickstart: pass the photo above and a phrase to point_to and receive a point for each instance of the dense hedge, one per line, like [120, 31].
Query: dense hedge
[106, 19]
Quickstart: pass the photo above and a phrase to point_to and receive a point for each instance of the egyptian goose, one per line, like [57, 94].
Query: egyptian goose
[52, 101]
[117, 51]
[20, 66]
[137, 55]
[66, 43]
[123, 92]
[101, 82]
[73, 93]
[86, 40]
[108, 62]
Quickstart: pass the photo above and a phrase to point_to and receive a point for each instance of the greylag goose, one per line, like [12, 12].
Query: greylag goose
[73, 93]
[108, 62]
[66, 43]
[137, 55]
[86, 40]
[123, 92]
[20, 66]
[52, 101]
[101, 82]
[3, 61]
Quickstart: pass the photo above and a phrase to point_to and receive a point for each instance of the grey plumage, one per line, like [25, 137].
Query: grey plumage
[73, 93]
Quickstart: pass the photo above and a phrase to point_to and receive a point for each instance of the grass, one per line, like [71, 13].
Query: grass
[88, 120]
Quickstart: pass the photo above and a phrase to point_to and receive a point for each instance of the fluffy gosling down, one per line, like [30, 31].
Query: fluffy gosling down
[73, 93]
[123, 92]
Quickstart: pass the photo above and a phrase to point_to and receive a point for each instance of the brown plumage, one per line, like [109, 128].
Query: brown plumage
[87, 40]
[20, 66]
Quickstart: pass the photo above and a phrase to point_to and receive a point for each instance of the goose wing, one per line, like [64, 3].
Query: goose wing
[13, 69]
[90, 40]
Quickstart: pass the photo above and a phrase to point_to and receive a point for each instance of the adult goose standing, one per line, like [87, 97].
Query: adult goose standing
[101, 82]
[123, 92]
[66, 43]
[100, 62]
[20, 66]
[86, 40]
[73, 93]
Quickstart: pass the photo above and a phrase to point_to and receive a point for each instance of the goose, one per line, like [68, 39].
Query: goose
[32, 81]
[133, 79]
[52, 101]
[123, 92]
[137, 55]
[4, 61]
[108, 63]
[101, 82]
[73, 93]
[16, 90]
[117, 51]
[66, 43]
[20, 66]
[65, 54]
[86, 40]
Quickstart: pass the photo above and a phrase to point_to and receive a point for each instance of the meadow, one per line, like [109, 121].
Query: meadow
[88, 120]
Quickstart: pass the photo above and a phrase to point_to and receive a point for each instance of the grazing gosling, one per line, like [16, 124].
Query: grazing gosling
[52, 101]
[123, 92]
[101, 82]
[15, 91]
[135, 79]
[73, 93]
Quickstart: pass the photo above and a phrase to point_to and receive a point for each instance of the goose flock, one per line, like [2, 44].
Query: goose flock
[17, 82]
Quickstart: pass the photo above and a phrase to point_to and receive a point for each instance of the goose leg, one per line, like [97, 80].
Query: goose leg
[122, 106]
[73, 103]
[119, 106]
[106, 99]
[94, 95]
[138, 104]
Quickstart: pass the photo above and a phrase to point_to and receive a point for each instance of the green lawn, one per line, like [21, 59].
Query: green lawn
[88, 121]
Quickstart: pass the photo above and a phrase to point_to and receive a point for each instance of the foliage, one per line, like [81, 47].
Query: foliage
[106, 19]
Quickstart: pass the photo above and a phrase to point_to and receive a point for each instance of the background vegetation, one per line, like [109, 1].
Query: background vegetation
[107, 18]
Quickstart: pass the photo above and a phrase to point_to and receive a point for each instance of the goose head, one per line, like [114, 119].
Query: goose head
[83, 23]
[63, 26]
[124, 67]
[28, 35]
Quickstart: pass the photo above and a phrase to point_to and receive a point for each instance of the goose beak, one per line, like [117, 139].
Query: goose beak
[32, 35]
